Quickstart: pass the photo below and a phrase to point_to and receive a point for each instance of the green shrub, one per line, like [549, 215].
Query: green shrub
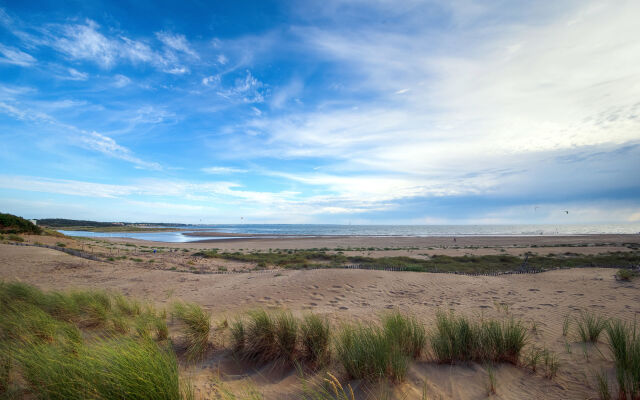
[15, 238]
[316, 338]
[624, 274]
[590, 326]
[12, 224]
[198, 327]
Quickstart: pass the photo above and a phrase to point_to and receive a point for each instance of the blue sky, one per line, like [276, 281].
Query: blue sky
[415, 112]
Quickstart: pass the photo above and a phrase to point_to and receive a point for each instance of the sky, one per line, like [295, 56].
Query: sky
[362, 111]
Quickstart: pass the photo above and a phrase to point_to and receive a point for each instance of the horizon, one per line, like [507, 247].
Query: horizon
[328, 113]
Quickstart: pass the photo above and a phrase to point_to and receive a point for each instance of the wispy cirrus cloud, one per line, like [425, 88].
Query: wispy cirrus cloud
[223, 170]
[11, 55]
[109, 147]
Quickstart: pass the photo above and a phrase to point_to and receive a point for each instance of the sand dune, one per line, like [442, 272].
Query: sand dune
[541, 300]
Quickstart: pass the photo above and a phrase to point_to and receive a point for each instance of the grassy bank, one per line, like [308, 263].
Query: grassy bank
[297, 259]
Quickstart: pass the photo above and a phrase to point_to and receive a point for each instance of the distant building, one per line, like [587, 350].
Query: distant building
[34, 221]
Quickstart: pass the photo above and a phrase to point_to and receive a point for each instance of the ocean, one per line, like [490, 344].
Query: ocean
[369, 230]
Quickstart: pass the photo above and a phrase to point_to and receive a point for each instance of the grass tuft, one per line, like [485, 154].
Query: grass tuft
[604, 393]
[329, 389]
[624, 343]
[406, 331]
[551, 363]
[106, 369]
[197, 324]
[315, 338]
[590, 326]
[491, 380]
[286, 335]
[366, 352]
[260, 337]
[457, 338]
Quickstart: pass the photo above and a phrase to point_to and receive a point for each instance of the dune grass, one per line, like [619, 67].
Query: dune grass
[602, 386]
[81, 344]
[197, 323]
[590, 326]
[315, 337]
[238, 335]
[329, 389]
[266, 336]
[366, 352]
[532, 358]
[405, 330]
[105, 369]
[458, 338]
[375, 351]
[550, 362]
[624, 343]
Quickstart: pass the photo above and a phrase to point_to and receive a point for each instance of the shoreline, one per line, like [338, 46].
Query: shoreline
[345, 242]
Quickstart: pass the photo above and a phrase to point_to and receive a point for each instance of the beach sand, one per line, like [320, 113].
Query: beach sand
[542, 301]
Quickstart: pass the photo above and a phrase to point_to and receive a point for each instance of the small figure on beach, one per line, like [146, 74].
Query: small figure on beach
[454, 239]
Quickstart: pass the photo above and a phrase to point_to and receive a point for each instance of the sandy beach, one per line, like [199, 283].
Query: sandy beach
[542, 301]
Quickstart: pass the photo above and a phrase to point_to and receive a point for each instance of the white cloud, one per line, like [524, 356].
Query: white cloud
[476, 101]
[109, 147]
[247, 89]
[76, 75]
[223, 170]
[121, 81]
[222, 59]
[11, 55]
[213, 80]
[177, 42]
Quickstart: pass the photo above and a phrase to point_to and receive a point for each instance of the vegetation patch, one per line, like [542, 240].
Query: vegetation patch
[590, 326]
[78, 345]
[625, 274]
[297, 259]
[198, 327]
[13, 224]
[458, 338]
[624, 342]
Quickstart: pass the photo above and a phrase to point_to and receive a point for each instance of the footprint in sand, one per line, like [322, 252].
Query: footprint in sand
[344, 308]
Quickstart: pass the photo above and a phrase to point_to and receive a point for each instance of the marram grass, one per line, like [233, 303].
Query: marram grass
[197, 323]
[41, 343]
[590, 326]
[459, 338]
[316, 338]
[624, 343]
